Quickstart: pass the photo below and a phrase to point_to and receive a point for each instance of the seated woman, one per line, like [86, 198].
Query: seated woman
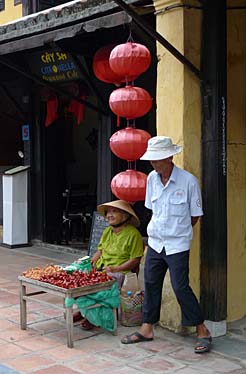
[121, 245]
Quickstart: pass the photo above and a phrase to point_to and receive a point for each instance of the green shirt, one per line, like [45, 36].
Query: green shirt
[117, 248]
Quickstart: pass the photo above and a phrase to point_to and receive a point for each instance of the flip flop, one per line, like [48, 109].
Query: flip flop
[140, 338]
[203, 344]
[86, 325]
[77, 317]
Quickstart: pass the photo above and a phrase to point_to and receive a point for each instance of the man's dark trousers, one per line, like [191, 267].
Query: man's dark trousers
[156, 265]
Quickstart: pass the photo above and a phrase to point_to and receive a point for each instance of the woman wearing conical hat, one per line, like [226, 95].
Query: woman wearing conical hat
[121, 245]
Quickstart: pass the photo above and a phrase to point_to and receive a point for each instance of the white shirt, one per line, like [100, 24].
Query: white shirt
[172, 207]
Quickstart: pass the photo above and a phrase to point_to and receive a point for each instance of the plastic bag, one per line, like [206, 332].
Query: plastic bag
[130, 284]
[131, 309]
[82, 264]
[131, 301]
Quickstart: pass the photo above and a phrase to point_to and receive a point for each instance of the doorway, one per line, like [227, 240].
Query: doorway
[70, 157]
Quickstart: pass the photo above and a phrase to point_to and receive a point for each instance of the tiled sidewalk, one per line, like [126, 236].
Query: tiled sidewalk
[42, 349]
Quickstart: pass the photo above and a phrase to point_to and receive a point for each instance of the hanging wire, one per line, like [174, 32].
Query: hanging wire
[130, 37]
[131, 123]
[131, 165]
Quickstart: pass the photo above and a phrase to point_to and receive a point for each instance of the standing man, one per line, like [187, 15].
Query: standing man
[174, 197]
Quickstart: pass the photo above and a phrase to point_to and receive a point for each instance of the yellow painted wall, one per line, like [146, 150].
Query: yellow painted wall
[179, 116]
[236, 146]
[11, 12]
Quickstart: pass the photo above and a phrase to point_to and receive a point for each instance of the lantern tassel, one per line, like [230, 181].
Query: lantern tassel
[118, 121]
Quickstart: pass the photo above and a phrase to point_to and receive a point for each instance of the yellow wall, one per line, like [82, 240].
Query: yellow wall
[179, 116]
[11, 12]
[236, 146]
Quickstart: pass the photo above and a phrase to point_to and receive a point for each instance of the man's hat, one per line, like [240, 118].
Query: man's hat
[123, 205]
[159, 148]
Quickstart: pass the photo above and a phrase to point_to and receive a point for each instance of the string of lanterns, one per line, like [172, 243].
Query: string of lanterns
[119, 64]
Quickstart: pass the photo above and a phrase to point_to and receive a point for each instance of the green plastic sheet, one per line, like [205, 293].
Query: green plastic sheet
[101, 316]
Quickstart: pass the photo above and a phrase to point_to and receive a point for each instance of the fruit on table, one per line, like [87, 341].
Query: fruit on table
[37, 272]
[76, 279]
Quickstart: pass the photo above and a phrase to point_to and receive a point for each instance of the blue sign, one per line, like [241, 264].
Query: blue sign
[25, 132]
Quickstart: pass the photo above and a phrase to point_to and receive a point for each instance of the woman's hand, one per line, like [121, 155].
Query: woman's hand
[96, 256]
[111, 269]
[126, 266]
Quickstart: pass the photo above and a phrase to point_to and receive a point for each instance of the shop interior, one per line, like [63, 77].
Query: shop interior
[65, 154]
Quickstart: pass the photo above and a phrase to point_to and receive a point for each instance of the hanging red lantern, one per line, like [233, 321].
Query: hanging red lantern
[130, 102]
[129, 143]
[101, 66]
[129, 59]
[129, 185]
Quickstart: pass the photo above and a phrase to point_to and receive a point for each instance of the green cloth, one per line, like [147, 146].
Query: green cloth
[103, 315]
[117, 248]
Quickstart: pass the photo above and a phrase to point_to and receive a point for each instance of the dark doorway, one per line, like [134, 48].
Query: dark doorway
[72, 164]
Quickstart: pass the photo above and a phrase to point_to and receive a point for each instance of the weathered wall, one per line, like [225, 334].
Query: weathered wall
[236, 143]
[179, 116]
[11, 12]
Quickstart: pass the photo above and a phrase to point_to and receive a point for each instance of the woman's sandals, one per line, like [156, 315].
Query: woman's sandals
[86, 325]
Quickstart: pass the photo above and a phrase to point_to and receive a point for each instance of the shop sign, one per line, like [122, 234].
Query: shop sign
[54, 66]
[25, 130]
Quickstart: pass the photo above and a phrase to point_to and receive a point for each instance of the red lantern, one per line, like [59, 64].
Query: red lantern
[130, 59]
[130, 185]
[102, 68]
[129, 143]
[130, 102]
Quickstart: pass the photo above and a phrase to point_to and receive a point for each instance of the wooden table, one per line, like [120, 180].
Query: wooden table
[43, 287]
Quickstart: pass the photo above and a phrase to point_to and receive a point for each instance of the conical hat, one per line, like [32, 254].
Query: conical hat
[123, 205]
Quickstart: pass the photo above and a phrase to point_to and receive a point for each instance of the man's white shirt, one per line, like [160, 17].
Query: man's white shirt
[172, 207]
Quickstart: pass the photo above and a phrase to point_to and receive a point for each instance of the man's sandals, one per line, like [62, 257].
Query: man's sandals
[203, 344]
[135, 337]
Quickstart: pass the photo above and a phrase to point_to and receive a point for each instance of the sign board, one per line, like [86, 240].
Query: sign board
[54, 66]
[97, 227]
[25, 132]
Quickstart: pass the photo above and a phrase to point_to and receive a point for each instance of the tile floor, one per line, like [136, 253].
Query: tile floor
[42, 349]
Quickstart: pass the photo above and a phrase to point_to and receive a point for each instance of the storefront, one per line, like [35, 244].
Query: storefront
[192, 85]
[71, 163]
